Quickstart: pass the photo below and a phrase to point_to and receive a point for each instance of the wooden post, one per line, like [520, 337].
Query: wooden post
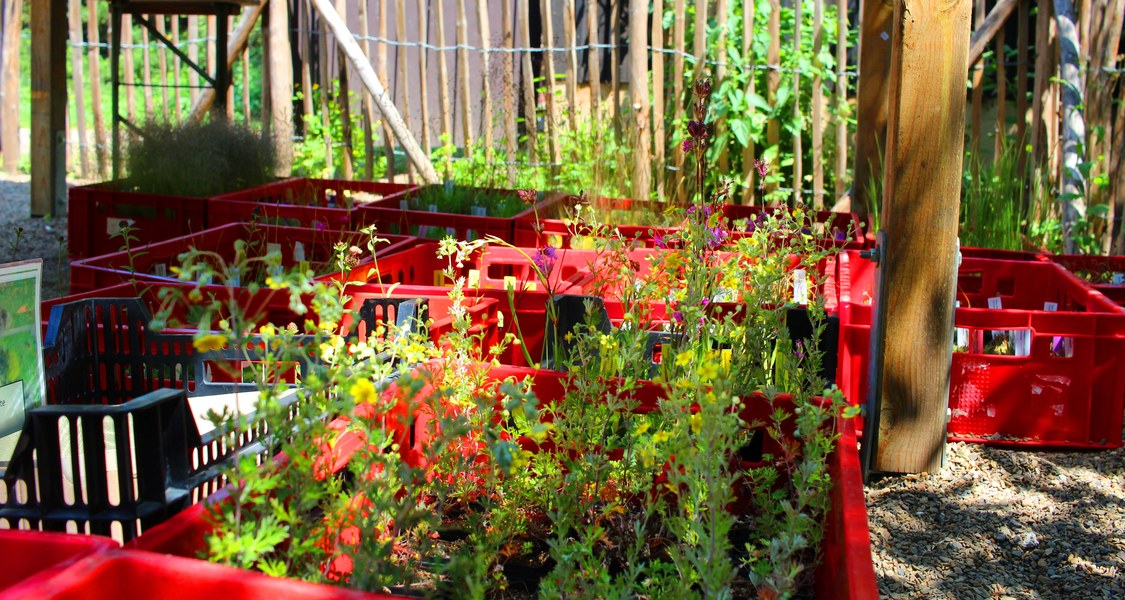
[193, 54]
[146, 75]
[1073, 125]
[376, 89]
[977, 81]
[1001, 94]
[74, 17]
[638, 91]
[100, 144]
[403, 68]
[1043, 72]
[721, 57]
[245, 59]
[366, 103]
[594, 58]
[817, 108]
[798, 153]
[48, 107]
[305, 38]
[238, 44]
[679, 39]
[699, 41]
[1021, 83]
[570, 40]
[773, 81]
[343, 102]
[280, 85]
[530, 108]
[176, 74]
[925, 136]
[659, 143]
[463, 77]
[615, 65]
[871, 94]
[162, 56]
[486, 123]
[443, 78]
[12, 16]
[841, 96]
[1117, 171]
[381, 73]
[751, 64]
[548, 41]
[511, 135]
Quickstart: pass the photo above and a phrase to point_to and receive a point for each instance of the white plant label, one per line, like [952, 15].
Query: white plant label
[1050, 306]
[432, 208]
[800, 287]
[478, 211]
[298, 252]
[1118, 278]
[960, 334]
[160, 270]
[235, 279]
[403, 205]
[995, 303]
[1021, 342]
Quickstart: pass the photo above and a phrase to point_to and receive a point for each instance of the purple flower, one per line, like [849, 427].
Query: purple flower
[762, 167]
[841, 236]
[716, 235]
[799, 351]
[705, 301]
[527, 196]
[696, 129]
[320, 226]
[659, 242]
[678, 316]
[687, 146]
[544, 258]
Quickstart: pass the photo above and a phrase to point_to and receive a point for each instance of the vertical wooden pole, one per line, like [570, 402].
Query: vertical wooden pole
[570, 40]
[463, 76]
[305, 36]
[246, 86]
[1021, 82]
[530, 110]
[511, 135]
[659, 144]
[146, 75]
[679, 41]
[817, 108]
[176, 68]
[721, 56]
[594, 58]
[100, 145]
[344, 102]
[366, 101]
[1073, 134]
[443, 80]
[77, 69]
[638, 90]
[10, 84]
[486, 123]
[1117, 171]
[548, 41]
[751, 64]
[615, 65]
[193, 55]
[162, 57]
[841, 96]
[871, 96]
[773, 81]
[129, 68]
[48, 107]
[977, 82]
[403, 79]
[798, 153]
[381, 72]
[925, 134]
[280, 85]
[1043, 73]
[699, 41]
[1001, 93]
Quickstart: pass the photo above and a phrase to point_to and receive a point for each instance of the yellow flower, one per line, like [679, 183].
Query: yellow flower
[363, 391]
[660, 437]
[643, 427]
[211, 342]
[267, 329]
[683, 359]
[696, 423]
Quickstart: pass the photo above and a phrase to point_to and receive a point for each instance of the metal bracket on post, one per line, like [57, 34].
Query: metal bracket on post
[873, 406]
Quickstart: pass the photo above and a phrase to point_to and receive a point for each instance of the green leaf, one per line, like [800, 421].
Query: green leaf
[741, 130]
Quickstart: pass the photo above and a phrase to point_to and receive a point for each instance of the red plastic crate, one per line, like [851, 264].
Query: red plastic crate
[392, 216]
[1067, 391]
[1100, 272]
[154, 262]
[30, 556]
[95, 212]
[315, 203]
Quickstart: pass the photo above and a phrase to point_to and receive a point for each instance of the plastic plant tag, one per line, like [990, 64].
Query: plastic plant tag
[235, 278]
[403, 205]
[1119, 279]
[330, 198]
[995, 303]
[530, 286]
[439, 279]
[160, 270]
[451, 232]
[478, 211]
[509, 282]
[1021, 342]
[1050, 306]
[800, 287]
[432, 208]
[298, 252]
[1058, 343]
[474, 278]
[960, 335]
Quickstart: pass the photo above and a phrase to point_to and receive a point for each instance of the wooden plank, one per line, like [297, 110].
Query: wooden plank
[841, 97]
[304, 37]
[925, 133]
[638, 92]
[381, 74]
[403, 81]
[530, 110]
[658, 136]
[1001, 95]
[817, 107]
[798, 153]
[700, 67]
[344, 103]
[176, 70]
[463, 77]
[511, 134]
[871, 95]
[12, 20]
[100, 144]
[48, 107]
[280, 81]
[366, 105]
[77, 70]
[375, 87]
[1021, 82]
[162, 62]
[443, 77]
[594, 57]
[773, 81]
[486, 123]
[679, 46]
[245, 60]
[146, 75]
[1073, 181]
[721, 56]
[615, 65]
[193, 54]
[976, 76]
[548, 41]
[128, 68]
[570, 40]
[986, 29]
[751, 64]
[1043, 72]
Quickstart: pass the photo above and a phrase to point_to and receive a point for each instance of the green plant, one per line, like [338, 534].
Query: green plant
[993, 197]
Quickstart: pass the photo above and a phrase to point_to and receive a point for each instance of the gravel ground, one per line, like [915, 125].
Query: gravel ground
[993, 524]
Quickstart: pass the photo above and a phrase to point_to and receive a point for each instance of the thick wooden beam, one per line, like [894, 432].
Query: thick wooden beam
[638, 94]
[925, 138]
[12, 19]
[281, 85]
[871, 95]
[48, 107]
[989, 27]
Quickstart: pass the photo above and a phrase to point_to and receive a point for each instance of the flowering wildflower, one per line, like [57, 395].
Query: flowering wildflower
[841, 236]
[363, 391]
[678, 316]
[211, 342]
[762, 167]
[687, 146]
[659, 242]
[799, 351]
[544, 259]
[527, 196]
[703, 87]
[696, 129]
[715, 237]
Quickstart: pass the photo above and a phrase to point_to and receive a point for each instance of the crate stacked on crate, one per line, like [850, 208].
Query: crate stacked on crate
[1036, 359]
[1104, 273]
[327, 204]
[97, 213]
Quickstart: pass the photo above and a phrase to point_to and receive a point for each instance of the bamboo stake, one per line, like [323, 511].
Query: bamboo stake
[344, 102]
[366, 105]
[96, 88]
[720, 69]
[375, 88]
[193, 54]
[246, 86]
[841, 96]
[176, 70]
[381, 73]
[1040, 94]
[748, 9]
[798, 154]
[679, 35]
[128, 69]
[304, 38]
[78, 72]
[530, 108]
[423, 83]
[146, 76]
[594, 57]
[570, 37]
[638, 91]
[403, 71]
[510, 113]
[230, 76]
[818, 108]
[658, 141]
[977, 82]
[463, 76]
[486, 75]
[548, 41]
[773, 81]
[162, 60]
[443, 79]
[699, 45]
